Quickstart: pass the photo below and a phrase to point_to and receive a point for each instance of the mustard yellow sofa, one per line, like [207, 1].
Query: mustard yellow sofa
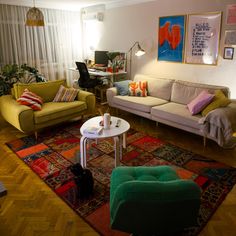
[27, 120]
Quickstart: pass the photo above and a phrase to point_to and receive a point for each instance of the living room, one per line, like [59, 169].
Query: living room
[30, 205]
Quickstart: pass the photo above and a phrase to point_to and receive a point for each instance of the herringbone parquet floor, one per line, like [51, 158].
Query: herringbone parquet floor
[30, 208]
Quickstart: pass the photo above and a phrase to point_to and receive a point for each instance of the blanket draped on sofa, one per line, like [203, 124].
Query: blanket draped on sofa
[220, 124]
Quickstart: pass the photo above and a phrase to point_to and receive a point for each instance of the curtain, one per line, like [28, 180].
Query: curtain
[52, 49]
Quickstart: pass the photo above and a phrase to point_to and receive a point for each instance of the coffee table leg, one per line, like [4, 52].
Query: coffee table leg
[124, 139]
[83, 145]
[117, 151]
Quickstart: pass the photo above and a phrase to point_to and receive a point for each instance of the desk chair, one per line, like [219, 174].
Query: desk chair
[85, 81]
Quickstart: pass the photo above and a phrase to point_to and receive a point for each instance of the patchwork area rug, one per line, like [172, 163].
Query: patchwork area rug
[55, 151]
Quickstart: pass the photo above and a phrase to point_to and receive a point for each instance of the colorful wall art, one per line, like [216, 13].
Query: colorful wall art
[171, 38]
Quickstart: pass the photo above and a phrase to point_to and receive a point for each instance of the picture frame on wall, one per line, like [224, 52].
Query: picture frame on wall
[228, 53]
[230, 37]
[171, 38]
[203, 36]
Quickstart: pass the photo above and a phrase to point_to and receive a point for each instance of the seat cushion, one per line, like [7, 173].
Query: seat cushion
[177, 113]
[143, 104]
[55, 110]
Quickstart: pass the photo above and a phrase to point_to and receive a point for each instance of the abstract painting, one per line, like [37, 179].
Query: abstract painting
[171, 38]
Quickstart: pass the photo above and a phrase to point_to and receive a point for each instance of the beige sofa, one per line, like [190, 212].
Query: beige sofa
[167, 103]
[27, 120]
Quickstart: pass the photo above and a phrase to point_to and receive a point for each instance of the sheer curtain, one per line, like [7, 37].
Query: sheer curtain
[52, 49]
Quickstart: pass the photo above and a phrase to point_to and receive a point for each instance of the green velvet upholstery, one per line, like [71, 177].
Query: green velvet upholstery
[152, 200]
[27, 120]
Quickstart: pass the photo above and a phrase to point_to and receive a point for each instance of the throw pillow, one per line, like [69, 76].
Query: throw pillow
[66, 94]
[220, 100]
[30, 99]
[122, 87]
[200, 102]
[138, 88]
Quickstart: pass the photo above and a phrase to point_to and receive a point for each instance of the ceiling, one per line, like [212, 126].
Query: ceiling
[72, 4]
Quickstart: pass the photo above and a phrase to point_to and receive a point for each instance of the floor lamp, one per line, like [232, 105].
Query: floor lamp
[138, 53]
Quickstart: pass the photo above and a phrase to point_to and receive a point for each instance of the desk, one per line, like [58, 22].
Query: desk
[99, 73]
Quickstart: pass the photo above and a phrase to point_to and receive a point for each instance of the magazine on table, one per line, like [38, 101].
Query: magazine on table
[93, 130]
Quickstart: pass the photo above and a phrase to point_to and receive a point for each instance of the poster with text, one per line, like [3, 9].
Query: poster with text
[203, 34]
[171, 38]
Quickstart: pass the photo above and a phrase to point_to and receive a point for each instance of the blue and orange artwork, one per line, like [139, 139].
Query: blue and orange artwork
[171, 38]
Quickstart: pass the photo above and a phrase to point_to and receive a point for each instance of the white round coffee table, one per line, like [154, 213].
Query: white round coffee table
[117, 133]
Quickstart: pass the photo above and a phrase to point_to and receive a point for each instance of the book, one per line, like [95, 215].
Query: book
[93, 130]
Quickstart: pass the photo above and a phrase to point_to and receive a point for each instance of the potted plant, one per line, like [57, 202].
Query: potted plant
[14, 73]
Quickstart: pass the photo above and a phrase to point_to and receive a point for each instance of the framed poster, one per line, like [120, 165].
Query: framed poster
[171, 36]
[203, 35]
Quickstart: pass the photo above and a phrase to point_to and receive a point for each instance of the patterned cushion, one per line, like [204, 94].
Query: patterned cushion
[31, 99]
[138, 88]
[66, 94]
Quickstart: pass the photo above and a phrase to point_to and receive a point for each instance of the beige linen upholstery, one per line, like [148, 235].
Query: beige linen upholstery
[166, 102]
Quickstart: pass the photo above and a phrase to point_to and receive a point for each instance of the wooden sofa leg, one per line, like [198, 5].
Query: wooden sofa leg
[156, 123]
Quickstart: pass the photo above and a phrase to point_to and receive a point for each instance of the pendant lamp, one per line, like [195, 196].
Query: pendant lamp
[34, 17]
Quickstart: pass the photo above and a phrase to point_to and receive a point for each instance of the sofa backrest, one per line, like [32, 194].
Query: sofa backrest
[46, 90]
[184, 92]
[157, 87]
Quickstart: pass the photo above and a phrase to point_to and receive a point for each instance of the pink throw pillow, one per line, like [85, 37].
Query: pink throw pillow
[200, 102]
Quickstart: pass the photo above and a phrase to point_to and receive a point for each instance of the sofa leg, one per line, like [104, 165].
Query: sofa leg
[204, 141]
[156, 123]
[36, 135]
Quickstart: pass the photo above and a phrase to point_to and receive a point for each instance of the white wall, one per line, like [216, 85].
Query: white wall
[125, 25]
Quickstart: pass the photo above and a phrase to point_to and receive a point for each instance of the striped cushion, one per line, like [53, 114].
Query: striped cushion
[66, 94]
[138, 88]
[30, 99]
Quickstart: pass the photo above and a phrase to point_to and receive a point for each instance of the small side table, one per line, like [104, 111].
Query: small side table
[117, 133]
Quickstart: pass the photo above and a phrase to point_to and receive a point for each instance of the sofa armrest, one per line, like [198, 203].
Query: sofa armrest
[20, 116]
[90, 100]
[111, 92]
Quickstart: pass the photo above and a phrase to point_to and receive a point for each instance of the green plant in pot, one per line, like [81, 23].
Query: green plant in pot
[14, 73]
[112, 56]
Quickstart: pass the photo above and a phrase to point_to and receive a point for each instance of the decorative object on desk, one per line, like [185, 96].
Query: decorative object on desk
[171, 38]
[202, 44]
[34, 17]
[138, 53]
[228, 53]
[13, 73]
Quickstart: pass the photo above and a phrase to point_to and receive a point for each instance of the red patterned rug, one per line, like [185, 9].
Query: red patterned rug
[55, 151]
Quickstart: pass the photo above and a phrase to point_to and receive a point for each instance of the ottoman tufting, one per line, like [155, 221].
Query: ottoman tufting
[152, 200]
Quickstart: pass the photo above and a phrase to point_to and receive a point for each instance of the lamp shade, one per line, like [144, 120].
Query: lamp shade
[34, 17]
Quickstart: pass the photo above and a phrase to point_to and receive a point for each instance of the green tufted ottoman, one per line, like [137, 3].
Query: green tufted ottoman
[151, 200]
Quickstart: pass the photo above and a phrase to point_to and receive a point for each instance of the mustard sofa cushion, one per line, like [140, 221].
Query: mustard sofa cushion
[220, 100]
[46, 90]
[55, 110]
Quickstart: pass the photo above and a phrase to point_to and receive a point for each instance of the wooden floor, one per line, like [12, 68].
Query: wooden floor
[31, 208]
